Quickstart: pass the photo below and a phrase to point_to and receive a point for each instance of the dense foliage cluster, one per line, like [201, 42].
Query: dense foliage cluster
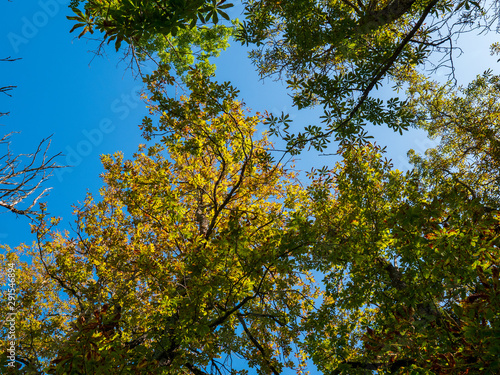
[204, 254]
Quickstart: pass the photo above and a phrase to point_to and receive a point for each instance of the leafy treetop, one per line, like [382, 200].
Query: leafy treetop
[336, 53]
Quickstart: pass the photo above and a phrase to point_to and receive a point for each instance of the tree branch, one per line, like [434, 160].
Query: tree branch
[380, 74]
[195, 370]
[393, 367]
[257, 345]
[390, 13]
[18, 182]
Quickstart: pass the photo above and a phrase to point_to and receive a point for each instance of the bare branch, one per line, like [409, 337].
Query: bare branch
[9, 59]
[5, 90]
[21, 176]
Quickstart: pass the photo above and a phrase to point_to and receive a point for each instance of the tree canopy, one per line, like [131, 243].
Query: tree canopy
[207, 253]
[337, 53]
[175, 31]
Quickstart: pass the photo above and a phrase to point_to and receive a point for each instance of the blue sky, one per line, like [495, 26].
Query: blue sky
[90, 106]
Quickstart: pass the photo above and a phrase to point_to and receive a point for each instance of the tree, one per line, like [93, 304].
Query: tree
[132, 20]
[336, 53]
[201, 248]
[21, 177]
[331, 53]
[411, 272]
[467, 122]
[174, 31]
[20, 181]
[412, 260]
[185, 262]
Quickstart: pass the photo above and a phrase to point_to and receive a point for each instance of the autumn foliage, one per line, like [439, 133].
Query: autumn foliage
[207, 253]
